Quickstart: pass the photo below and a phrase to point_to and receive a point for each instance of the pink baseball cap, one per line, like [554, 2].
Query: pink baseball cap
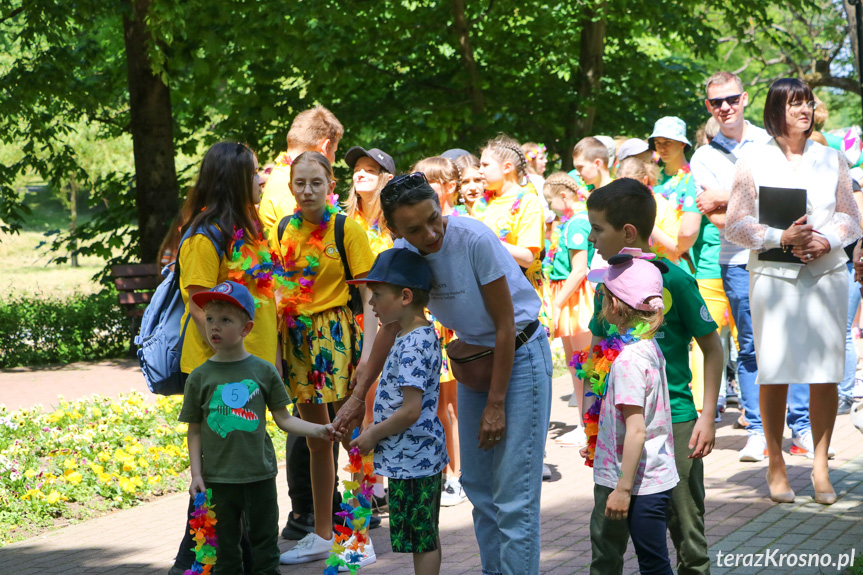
[633, 277]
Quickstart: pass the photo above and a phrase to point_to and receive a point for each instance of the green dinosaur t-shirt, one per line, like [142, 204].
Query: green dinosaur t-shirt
[686, 317]
[230, 401]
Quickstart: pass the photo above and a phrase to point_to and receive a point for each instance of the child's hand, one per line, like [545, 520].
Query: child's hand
[617, 505]
[583, 452]
[366, 441]
[197, 486]
[329, 432]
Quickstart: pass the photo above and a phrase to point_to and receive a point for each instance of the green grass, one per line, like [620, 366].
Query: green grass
[857, 568]
[27, 267]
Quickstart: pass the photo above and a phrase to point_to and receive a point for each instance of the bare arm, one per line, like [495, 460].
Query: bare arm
[523, 256]
[617, 506]
[578, 260]
[690, 224]
[666, 241]
[407, 415]
[198, 315]
[704, 433]
[498, 304]
[711, 199]
[351, 413]
[296, 426]
[193, 438]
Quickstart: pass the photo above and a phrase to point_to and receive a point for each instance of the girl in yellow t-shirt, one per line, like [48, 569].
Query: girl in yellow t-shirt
[513, 211]
[321, 342]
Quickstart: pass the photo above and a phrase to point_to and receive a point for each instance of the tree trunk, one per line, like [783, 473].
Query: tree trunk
[156, 188]
[851, 18]
[73, 218]
[462, 30]
[588, 75]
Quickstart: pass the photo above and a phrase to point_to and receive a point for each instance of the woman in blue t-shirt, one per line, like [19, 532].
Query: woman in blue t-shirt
[480, 293]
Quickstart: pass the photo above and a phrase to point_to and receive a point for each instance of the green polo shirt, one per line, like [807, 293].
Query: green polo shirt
[686, 317]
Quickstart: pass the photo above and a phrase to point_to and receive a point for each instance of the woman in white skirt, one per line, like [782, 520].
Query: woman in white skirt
[799, 310]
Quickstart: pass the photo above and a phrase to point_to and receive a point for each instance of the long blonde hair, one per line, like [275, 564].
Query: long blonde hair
[353, 203]
[443, 171]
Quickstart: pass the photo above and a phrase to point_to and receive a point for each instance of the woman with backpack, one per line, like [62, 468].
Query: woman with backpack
[322, 343]
[224, 240]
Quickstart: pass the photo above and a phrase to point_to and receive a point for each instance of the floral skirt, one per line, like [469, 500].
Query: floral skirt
[320, 360]
[445, 335]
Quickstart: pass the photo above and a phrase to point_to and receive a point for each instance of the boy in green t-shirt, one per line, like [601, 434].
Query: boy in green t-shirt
[225, 404]
[622, 215]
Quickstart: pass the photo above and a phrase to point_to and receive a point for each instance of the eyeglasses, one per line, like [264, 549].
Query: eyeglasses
[800, 103]
[402, 184]
[732, 100]
[316, 187]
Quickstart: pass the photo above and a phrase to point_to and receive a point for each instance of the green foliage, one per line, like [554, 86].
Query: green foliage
[39, 331]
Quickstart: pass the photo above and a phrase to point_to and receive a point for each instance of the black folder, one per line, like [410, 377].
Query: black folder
[779, 208]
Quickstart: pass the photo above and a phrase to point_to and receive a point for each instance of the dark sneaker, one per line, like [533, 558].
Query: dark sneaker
[298, 527]
[845, 405]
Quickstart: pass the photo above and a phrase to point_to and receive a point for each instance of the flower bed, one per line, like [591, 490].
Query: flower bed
[90, 456]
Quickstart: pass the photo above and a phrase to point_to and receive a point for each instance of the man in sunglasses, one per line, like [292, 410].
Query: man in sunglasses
[713, 168]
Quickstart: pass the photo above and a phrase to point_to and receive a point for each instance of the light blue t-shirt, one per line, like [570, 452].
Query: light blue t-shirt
[420, 450]
[472, 256]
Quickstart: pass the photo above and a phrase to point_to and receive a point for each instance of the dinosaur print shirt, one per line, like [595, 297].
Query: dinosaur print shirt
[230, 400]
[420, 450]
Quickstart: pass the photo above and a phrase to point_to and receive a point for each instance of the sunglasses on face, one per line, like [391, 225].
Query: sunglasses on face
[800, 103]
[732, 100]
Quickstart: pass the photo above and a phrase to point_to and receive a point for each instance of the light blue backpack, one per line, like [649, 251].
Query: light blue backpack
[160, 340]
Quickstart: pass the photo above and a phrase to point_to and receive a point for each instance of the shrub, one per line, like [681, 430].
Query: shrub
[36, 331]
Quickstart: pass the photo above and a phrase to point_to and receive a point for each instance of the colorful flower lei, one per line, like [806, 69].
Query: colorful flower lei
[554, 244]
[534, 153]
[593, 367]
[283, 160]
[294, 293]
[357, 516]
[486, 198]
[203, 527]
[253, 261]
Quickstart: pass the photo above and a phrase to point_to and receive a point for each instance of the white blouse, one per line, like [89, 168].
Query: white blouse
[829, 198]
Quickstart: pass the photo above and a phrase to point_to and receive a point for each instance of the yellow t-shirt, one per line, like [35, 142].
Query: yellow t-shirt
[379, 240]
[667, 216]
[525, 228]
[200, 265]
[277, 200]
[330, 289]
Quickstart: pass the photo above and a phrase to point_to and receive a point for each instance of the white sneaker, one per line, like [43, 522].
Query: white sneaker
[857, 391]
[360, 558]
[453, 493]
[805, 446]
[857, 415]
[310, 548]
[754, 449]
[574, 438]
[546, 471]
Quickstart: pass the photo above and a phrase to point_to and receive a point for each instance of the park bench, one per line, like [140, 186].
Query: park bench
[135, 285]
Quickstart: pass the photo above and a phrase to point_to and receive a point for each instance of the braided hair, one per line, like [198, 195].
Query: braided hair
[506, 149]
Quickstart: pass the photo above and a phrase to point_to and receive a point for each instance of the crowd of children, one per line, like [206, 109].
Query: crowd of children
[625, 256]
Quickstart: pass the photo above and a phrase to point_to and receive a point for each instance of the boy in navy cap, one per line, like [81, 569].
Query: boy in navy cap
[230, 452]
[407, 436]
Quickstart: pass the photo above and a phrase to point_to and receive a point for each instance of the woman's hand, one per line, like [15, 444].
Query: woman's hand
[349, 416]
[857, 260]
[812, 250]
[798, 234]
[492, 426]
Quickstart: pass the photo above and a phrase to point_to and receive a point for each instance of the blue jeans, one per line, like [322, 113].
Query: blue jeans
[735, 280]
[504, 483]
[846, 387]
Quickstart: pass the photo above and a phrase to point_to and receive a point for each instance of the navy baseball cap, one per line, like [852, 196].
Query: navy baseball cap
[383, 159]
[231, 292]
[399, 267]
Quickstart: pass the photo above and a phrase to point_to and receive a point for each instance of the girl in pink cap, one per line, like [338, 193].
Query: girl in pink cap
[632, 451]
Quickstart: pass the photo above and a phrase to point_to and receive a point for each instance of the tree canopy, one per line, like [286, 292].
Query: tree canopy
[413, 77]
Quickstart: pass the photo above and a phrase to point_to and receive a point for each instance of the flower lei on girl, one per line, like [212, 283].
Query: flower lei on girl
[353, 536]
[486, 198]
[593, 366]
[253, 261]
[203, 526]
[554, 244]
[294, 293]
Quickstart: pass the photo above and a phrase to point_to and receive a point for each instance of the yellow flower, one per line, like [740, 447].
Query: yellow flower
[33, 494]
[143, 462]
[104, 456]
[54, 497]
[181, 427]
[69, 463]
[97, 469]
[74, 478]
[29, 474]
[104, 478]
[56, 416]
[154, 478]
[97, 412]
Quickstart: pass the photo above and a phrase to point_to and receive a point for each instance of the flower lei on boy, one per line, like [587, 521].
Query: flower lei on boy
[353, 536]
[293, 293]
[203, 526]
[593, 366]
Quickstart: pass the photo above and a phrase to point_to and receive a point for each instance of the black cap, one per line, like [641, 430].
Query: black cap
[383, 159]
[455, 153]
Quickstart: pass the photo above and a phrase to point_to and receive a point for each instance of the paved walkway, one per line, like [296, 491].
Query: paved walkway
[740, 518]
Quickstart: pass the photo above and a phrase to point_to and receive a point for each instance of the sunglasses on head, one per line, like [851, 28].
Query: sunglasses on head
[619, 259]
[732, 100]
[404, 183]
